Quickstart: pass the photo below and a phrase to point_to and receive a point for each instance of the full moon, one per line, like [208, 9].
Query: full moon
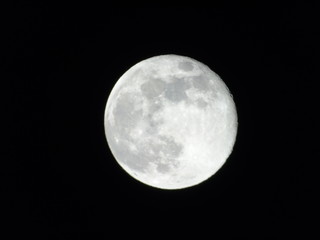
[170, 122]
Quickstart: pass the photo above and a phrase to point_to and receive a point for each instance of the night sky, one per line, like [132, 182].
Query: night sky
[59, 179]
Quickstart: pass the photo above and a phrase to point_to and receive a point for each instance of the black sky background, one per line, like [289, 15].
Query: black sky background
[59, 179]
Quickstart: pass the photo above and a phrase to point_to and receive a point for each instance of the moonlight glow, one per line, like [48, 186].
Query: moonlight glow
[170, 122]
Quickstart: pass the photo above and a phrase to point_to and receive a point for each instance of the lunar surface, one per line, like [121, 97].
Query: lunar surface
[170, 122]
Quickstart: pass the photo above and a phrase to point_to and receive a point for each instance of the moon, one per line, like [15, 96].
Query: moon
[170, 122]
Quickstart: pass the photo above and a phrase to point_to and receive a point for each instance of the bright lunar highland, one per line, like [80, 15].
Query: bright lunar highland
[170, 122]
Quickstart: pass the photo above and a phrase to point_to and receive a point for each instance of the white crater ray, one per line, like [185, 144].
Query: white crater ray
[170, 122]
